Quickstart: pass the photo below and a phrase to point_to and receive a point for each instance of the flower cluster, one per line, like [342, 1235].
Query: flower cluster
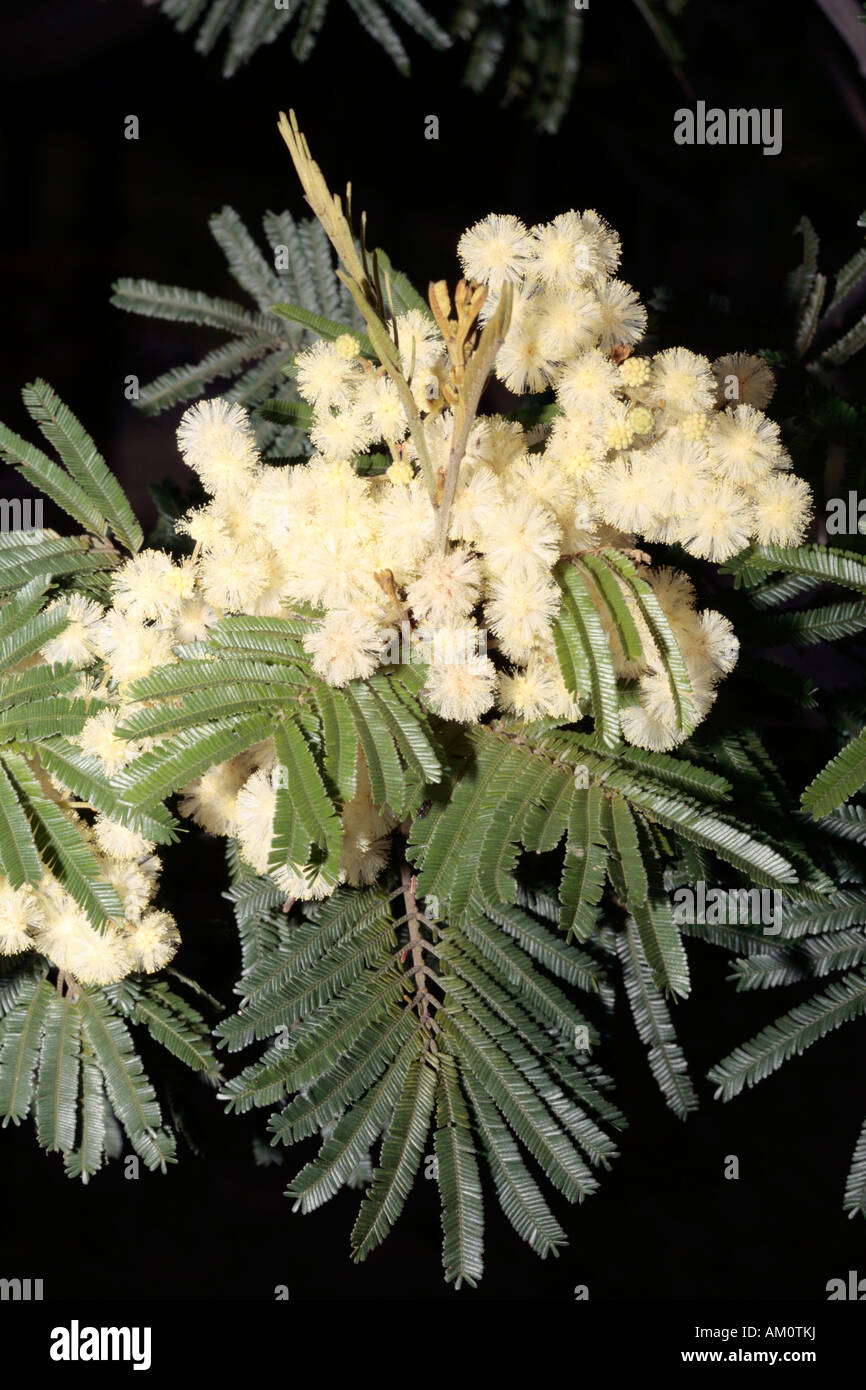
[108, 649]
[670, 447]
[645, 449]
[640, 450]
[48, 919]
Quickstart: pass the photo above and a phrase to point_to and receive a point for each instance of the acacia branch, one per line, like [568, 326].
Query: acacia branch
[417, 946]
[475, 379]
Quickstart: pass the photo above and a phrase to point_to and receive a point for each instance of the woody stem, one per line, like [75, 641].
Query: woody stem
[420, 971]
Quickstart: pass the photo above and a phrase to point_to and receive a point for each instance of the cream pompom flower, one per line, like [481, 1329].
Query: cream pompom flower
[680, 467]
[255, 805]
[495, 251]
[575, 443]
[782, 508]
[61, 920]
[325, 375]
[345, 498]
[234, 575]
[134, 883]
[520, 539]
[657, 698]
[153, 941]
[717, 525]
[366, 832]
[77, 643]
[119, 841]
[378, 403]
[742, 378]
[537, 691]
[743, 444]
[346, 647]
[461, 690]
[644, 730]
[364, 853]
[621, 314]
[494, 443]
[563, 252]
[366, 842]
[270, 602]
[305, 882]
[217, 441]
[604, 242]
[97, 958]
[338, 434]
[211, 800]
[67, 938]
[627, 493]
[448, 644]
[569, 321]
[151, 587]
[405, 524]
[682, 382]
[662, 530]
[192, 620]
[129, 648]
[335, 569]
[521, 362]
[447, 587]
[272, 505]
[539, 479]
[231, 509]
[674, 591]
[99, 737]
[718, 641]
[587, 383]
[19, 916]
[520, 611]
[205, 525]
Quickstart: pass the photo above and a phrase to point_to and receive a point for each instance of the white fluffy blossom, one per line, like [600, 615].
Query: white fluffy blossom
[217, 440]
[495, 251]
[346, 647]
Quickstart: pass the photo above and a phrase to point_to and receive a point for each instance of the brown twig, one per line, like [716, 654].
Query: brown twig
[421, 972]
[472, 385]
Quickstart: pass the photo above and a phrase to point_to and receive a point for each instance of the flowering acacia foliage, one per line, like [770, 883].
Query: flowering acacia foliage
[383, 673]
[79, 871]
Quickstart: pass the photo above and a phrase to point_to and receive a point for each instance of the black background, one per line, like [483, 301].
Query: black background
[81, 206]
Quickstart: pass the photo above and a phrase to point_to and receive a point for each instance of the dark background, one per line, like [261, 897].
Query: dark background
[81, 206]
